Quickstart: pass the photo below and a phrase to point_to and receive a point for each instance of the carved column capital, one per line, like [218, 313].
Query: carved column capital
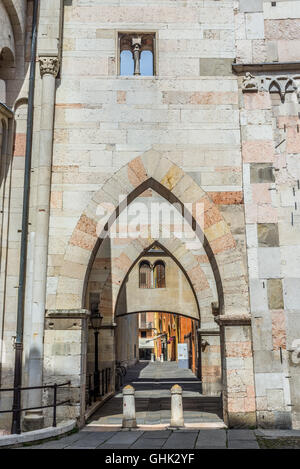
[49, 65]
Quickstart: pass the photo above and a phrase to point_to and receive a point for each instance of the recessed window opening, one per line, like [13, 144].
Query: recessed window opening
[145, 275]
[136, 54]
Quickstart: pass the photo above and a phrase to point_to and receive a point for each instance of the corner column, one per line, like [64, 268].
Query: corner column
[65, 359]
[239, 406]
[49, 67]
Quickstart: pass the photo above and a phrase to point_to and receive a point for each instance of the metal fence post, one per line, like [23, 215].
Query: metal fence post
[103, 384]
[90, 390]
[54, 404]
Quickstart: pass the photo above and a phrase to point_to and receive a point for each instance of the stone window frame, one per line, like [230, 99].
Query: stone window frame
[149, 282]
[137, 33]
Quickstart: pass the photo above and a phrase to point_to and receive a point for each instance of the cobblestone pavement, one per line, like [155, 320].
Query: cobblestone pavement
[152, 382]
[175, 440]
[166, 439]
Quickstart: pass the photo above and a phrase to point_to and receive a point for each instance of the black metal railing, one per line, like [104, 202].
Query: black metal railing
[120, 374]
[93, 392]
[55, 404]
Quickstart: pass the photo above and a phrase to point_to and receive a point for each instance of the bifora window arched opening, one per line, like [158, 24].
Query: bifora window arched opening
[126, 63]
[136, 54]
[145, 275]
[159, 275]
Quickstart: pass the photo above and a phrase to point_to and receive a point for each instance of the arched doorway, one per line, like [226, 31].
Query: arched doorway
[155, 283]
[218, 254]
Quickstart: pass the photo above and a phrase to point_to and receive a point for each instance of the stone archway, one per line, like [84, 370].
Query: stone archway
[153, 170]
[156, 171]
[119, 267]
[114, 268]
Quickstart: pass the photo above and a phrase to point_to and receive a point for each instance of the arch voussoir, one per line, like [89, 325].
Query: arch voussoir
[153, 169]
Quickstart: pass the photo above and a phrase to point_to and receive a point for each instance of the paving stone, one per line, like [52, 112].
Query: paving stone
[236, 434]
[112, 446]
[91, 439]
[243, 444]
[157, 434]
[182, 440]
[211, 438]
[144, 443]
[127, 438]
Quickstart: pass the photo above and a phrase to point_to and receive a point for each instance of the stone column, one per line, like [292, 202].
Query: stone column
[237, 368]
[136, 50]
[49, 67]
[65, 359]
[2, 91]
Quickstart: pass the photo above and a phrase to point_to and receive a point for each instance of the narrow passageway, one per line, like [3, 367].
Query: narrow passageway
[152, 382]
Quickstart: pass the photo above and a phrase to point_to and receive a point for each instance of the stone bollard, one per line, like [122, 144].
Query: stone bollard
[176, 407]
[152, 357]
[129, 420]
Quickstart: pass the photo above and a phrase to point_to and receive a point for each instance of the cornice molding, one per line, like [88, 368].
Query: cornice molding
[243, 319]
[282, 67]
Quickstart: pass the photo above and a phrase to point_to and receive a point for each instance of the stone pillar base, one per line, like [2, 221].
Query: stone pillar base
[239, 404]
[33, 420]
[241, 420]
[65, 357]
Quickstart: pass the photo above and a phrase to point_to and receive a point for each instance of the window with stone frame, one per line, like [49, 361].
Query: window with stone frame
[159, 275]
[136, 54]
[145, 275]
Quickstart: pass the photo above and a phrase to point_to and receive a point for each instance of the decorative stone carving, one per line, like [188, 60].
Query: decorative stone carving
[249, 83]
[49, 65]
[281, 84]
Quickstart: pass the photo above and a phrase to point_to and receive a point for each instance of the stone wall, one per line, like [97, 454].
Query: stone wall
[270, 147]
[15, 27]
[176, 297]
[127, 339]
[266, 32]
[204, 130]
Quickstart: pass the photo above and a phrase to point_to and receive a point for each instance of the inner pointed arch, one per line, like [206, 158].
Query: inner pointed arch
[169, 196]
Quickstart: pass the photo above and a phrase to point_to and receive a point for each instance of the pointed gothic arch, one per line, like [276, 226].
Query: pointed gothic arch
[153, 170]
[201, 290]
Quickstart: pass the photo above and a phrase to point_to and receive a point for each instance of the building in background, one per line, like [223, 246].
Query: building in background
[146, 335]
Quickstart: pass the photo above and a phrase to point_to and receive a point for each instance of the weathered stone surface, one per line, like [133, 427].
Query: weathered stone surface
[275, 294]
[262, 172]
[267, 234]
[215, 67]
[200, 140]
[247, 6]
